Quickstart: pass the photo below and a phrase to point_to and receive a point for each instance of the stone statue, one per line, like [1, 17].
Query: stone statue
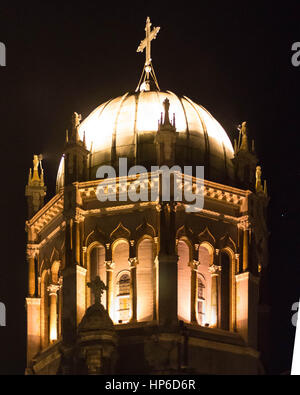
[97, 287]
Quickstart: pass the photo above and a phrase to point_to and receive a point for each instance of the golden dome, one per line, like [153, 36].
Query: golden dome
[126, 127]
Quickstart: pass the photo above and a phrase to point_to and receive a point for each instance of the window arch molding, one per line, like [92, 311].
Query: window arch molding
[189, 243]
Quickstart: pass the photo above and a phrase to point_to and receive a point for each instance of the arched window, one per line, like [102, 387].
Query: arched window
[123, 298]
[201, 299]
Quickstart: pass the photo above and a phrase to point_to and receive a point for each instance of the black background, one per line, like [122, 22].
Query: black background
[234, 58]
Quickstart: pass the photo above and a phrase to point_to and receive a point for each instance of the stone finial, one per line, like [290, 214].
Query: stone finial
[244, 143]
[258, 184]
[166, 104]
[97, 287]
[76, 118]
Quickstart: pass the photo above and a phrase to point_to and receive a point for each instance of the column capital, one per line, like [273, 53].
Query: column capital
[158, 207]
[132, 262]
[79, 216]
[244, 223]
[194, 264]
[109, 265]
[53, 289]
[84, 248]
[215, 269]
[32, 250]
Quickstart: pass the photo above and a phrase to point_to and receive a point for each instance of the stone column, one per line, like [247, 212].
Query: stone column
[194, 267]
[215, 295]
[133, 293]
[247, 295]
[237, 263]
[52, 289]
[31, 254]
[245, 249]
[155, 278]
[167, 265]
[110, 288]
[33, 307]
[79, 218]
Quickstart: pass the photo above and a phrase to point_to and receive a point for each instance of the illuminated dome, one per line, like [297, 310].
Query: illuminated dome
[126, 127]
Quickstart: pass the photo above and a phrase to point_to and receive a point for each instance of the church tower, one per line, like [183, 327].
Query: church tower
[128, 278]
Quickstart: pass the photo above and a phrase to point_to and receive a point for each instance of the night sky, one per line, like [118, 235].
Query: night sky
[232, 58]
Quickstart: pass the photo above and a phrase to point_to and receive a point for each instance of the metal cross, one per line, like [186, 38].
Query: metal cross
[146, 43]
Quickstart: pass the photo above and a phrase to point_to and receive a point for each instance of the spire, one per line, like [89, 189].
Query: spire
[35, 189]
[235, 146]
[83, 140]
[148, 70]
[35, 176]
[67, 136]
[165, 122]
[29, 176]
[265, 188]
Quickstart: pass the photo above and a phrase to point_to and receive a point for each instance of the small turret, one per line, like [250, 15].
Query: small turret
[244, 160]
[35, 190]
[75, 153]
[166, 137]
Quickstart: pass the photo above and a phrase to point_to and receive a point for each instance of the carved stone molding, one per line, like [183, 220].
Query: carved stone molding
[120, 232]
[206, 236]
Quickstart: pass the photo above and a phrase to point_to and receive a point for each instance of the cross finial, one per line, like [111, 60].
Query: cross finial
[148, 68]
[97, 287]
